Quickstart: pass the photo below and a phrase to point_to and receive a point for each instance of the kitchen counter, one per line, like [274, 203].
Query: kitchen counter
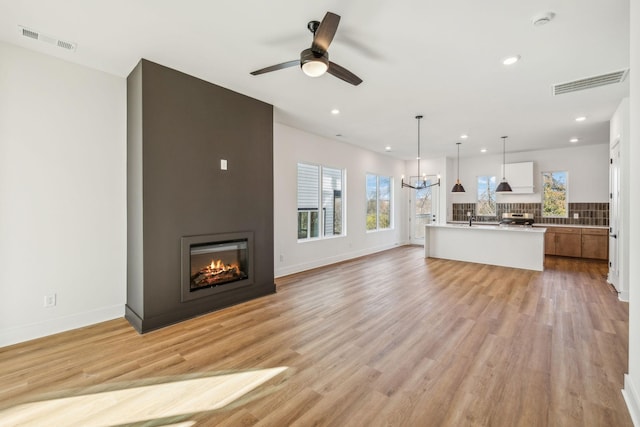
[571, 226]
[537, 224]
[507, 246]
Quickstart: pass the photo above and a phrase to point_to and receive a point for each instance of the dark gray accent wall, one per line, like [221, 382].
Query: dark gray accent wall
[179, 128]
[135, 262]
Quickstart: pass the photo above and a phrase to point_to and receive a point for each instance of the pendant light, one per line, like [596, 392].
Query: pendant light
[504, 186]
[421, 185]
[458, 188]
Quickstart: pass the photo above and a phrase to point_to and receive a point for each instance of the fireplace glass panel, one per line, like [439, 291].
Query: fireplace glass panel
[214, 264]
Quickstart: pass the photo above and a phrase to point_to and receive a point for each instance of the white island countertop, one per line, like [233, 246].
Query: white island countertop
[507, 246]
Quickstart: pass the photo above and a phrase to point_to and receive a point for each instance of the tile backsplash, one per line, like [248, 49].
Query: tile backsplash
[595, 214]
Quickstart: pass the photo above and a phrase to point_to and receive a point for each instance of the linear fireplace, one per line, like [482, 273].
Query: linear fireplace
[215, 263]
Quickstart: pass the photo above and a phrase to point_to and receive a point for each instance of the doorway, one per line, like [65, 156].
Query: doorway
[614, 212]
[423, 204]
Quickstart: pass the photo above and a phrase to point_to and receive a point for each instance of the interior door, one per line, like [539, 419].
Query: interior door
[424, 208]
[614, 212]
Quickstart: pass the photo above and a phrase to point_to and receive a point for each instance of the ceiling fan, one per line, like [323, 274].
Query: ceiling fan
[315, 60]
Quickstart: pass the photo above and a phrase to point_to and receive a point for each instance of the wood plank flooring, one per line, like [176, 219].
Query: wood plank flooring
[385, 340]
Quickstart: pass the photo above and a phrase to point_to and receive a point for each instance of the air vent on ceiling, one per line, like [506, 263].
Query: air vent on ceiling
[66, 45]
[47, 39]
[590, 82]
[29, 33]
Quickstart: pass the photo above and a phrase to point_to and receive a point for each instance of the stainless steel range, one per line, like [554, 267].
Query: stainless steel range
[516, 219]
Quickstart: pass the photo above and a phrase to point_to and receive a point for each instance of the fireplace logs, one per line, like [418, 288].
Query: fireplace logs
[215, 273]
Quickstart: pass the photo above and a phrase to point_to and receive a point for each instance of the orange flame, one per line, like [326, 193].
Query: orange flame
[219, 266]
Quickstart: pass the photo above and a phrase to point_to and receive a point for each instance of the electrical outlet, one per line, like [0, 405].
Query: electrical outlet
[576, 215]
[50, 300]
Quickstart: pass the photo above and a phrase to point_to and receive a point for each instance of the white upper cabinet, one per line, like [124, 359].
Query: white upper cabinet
[520, 177]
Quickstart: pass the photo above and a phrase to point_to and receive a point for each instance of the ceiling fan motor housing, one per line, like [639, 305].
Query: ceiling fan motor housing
[313, 63]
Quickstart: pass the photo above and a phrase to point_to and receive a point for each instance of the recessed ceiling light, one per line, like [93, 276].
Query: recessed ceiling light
[464, 136]
[581, 119]
[573, 140]
[483, 150]
[387, 148]
[511, 60]
[335, 111]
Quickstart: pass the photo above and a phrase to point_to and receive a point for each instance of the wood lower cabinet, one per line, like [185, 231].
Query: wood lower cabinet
[577, 242]
[569, 244]
[595, 243]
[564, 241]
[549, 242]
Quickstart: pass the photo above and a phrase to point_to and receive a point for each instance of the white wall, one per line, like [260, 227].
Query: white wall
[292, 146]
[62, 195]
[632, 380]
[588, 168]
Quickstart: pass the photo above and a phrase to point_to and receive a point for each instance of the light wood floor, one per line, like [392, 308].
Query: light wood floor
[390, 339]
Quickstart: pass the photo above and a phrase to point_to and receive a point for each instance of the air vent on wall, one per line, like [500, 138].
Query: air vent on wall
[590, 82]
[47, 39]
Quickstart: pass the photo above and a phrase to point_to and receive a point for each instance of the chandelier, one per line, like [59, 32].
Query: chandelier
[422, 183]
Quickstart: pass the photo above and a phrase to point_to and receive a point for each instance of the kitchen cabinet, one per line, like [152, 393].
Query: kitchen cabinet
[520, 177]
[595, 243]
[567, 241]
[549, 242]
[577, 242]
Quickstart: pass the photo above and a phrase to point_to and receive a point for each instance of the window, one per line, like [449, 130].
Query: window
[320, 203]
[332, 201]
[554, 194]
[486, 196]
[378, 202]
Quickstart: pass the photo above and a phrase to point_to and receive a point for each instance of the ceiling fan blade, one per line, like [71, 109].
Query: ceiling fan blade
[325, 32]
[343, 74]
[276, 67]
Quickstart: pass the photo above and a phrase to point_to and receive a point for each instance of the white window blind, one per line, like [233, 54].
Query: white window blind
[308, 184]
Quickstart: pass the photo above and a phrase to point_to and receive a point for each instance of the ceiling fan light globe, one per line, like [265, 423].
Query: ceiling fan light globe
[314, 68]
[314, 64]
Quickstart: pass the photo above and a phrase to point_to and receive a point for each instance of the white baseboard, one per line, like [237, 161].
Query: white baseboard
[631, 396]
[35, 330]
[622, 295]
[292, 269]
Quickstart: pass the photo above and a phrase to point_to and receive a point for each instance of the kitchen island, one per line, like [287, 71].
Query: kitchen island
[507, 246]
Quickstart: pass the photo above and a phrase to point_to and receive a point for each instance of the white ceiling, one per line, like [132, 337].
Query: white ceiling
[441, 59]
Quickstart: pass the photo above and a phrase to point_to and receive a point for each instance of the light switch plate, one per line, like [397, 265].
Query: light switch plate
[576, 216]
[50, 300]
[223, 164]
